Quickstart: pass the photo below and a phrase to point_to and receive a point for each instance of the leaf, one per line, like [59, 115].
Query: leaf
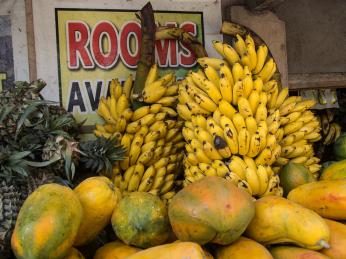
[20, 155]
[29, 110]
[42, 164]
[5, 111]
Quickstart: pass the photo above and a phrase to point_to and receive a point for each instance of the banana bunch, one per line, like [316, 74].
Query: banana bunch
[330, 130]
[151, 135]
[300, 128]
[228, 129]
[115, 110]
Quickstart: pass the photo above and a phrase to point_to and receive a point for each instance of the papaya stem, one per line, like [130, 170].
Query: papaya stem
[147, 57]
[163, 33]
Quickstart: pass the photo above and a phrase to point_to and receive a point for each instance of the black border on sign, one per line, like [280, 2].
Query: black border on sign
[106, 10]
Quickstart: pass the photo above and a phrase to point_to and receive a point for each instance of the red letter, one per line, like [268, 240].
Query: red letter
[104, 29]
[77, 42]
[130, 29]
[188, 59]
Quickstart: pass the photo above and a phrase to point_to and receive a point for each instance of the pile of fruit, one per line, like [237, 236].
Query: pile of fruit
[218, 165]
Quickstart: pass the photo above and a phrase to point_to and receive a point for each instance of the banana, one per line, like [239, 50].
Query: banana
[117, 90]
[264, 157]
[217, 115]
[213, 128]
[208, 87]
[281, 97]
[128, 175]
[298, 151]
[255, 145]
[254, 100]
[140, 113]
[261, 113]
[148, 146]
[263, 179]
[337, 131]
[239, 45]
[207, 169]
[202, 157]
[273, 98]
[314, 168]
[273, 116]
[243, 141]
[231, 138]
[224, 69]
[212, 75]
[263, 98]
[238, 121]
[226, 51]
[266, 70]
[154, 91]
[203, 135]
[167, 101]
[104, 112]
[245, 60]
[286, 150]
[250, 162]
[122, 104]
[210, 151]
[248, 85]
[133, 127]
[112, 88]
[152, 75]
[250, 47]
[300, 160]
[304, 105]
[188, 134]
[292, 99]
[121, 125]
[245, 186]
[159, 178]
[237, 72]
[237, 167]
[251, 125]
[215, 63]
[171, 134]
[109, 128]
[225, 88]
[238, 91]
[102, 134]
[288, 140]
[192, 159]
[136, 177]
[275, 154]
[205, 102]
[150, 118]
[312, 136]
[244, 107]
[330, 136]
[167, 186]
[271, 141]
[221, 146]
[273, 187]
[281, 161]
[135, 148]
[184, 111]
[279, 134]
[227, 109]
[127, 88]
[262, 53]
[113, 108]
[172, 90]
[293, 127]
[258, 85]
[312, 160]
[200, 121]
[220, 167]
[253, 180]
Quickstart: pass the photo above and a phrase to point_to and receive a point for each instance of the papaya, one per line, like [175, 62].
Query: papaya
[210, 210]
[74, 254]
[327, 198]
[243, 248]
[291, 252]
[141, 219]
[98, 197]
[47, 223]
[177, 250]
[339, 147]
[334, 171]
[115, 250]
[292, 175]
[278, 220]
[337, 240]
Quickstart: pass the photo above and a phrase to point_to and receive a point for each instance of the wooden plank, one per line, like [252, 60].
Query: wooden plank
[31, 40]
[260, 5]
[317, 81]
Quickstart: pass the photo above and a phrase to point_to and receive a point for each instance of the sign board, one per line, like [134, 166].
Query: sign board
[82, 45]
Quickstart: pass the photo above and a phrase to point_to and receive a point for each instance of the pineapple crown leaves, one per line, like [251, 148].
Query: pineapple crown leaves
[99, 155]
[13, 163]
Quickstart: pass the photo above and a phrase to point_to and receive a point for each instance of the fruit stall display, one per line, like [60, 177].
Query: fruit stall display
[221, 164]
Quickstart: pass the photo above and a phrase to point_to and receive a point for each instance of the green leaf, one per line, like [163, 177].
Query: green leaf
[42, 164]
[20, 155]
[5, 111]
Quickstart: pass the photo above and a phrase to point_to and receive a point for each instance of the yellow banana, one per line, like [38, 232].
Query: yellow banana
[217, 115]
[199, 121]
[244, 107]
[220, 167]
[243, 141]
[152, 75]
[251, 125]
[128, 175]
[127, 88]
[213, 128]
[154, 91]
[248, 85]
[121, 124]
[250, 162]
[255, 145]
[202, 157]
[238, 91]
[227, 109]
[210, 151]
[203, 135]
[140, 113]
[281, 161]
[122, 104]
[293, 127]
[239, 45]
[292, 99]
[273, 98]
[205, 102]
[261, 113]
[225, 88]
[281, 97]
[212, 75]
[215, 63]
[184, 111]
[284, 110]
[275, 154]
[300, 160]
[238, 121]
[172, 90]
[245, 60]
[237, 72]
[253, 180]
[237, 168]
[136, 177]
[266, 70]
[254, 100]
[224, 69]
[258, 85]
[231, 137]
[264, 157]
[252, 54]
[262, 53]
[208, 87]
[104, 112]
[304, 105]
[128, 114]
[117, 90]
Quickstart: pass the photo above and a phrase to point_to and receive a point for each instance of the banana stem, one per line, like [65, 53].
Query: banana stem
[163, 33]
[147, 58]
[232, 29]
